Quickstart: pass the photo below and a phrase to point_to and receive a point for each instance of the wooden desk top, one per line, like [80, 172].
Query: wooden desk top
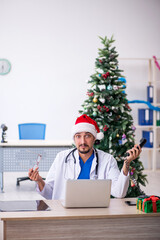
[118, 208]
[36, 143]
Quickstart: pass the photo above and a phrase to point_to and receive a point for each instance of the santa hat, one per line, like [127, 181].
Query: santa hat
[87, 124]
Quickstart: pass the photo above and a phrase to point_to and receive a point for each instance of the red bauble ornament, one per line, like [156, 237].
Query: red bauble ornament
[132, 184]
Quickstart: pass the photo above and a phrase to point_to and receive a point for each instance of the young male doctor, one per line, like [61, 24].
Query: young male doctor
[84, 163]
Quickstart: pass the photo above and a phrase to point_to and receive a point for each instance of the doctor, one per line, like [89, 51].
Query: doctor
[84, 162]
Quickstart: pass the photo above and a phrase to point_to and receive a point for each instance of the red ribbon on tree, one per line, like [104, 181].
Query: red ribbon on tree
[105, 128]
[106, 108]
[105, 75]
[90, 94]
[154, 200]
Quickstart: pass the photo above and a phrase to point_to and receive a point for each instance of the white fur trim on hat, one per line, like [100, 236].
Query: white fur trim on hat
[100, 135]
[86, 127]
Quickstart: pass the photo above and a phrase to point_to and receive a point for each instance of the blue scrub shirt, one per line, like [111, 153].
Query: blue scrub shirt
[85, 167]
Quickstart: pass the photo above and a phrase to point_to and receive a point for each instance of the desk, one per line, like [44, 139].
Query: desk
[119, 221]
[19, 156]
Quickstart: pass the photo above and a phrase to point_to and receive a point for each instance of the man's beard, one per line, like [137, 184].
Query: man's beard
[84, 151]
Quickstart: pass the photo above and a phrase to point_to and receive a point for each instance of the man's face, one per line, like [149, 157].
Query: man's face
[84, 142]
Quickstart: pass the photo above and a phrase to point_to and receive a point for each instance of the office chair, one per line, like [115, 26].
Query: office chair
[30, 131]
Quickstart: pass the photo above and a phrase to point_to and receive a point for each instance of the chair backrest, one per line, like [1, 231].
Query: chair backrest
[32, 130]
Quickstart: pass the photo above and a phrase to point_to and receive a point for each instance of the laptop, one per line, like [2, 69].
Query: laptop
[86, 193]
[21, 206]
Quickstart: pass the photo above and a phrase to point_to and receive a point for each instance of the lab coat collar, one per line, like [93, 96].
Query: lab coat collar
[72, 169]
[93, 167]
[78, 168]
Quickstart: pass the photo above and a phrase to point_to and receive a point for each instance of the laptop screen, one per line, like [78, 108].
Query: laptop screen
[14, 206]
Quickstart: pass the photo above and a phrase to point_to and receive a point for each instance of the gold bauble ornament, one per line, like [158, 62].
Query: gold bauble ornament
[117, 135]
[95, 100]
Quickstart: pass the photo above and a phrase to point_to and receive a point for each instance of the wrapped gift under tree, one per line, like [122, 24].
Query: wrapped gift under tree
[148, 204]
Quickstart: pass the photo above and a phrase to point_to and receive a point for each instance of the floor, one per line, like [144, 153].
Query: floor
[26, 190]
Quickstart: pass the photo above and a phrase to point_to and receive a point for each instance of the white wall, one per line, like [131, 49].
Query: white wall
[52, 46]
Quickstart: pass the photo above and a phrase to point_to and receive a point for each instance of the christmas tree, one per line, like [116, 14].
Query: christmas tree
[108, 106]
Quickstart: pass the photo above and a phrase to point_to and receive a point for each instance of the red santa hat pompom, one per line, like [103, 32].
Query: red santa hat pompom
[86, 124]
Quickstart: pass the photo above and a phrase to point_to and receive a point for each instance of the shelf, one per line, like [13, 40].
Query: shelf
[154, 80]
[152, 153]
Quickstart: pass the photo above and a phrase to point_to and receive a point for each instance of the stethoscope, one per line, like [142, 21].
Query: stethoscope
[72, 153]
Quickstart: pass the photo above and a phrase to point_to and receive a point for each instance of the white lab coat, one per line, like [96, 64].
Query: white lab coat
[60, 171]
